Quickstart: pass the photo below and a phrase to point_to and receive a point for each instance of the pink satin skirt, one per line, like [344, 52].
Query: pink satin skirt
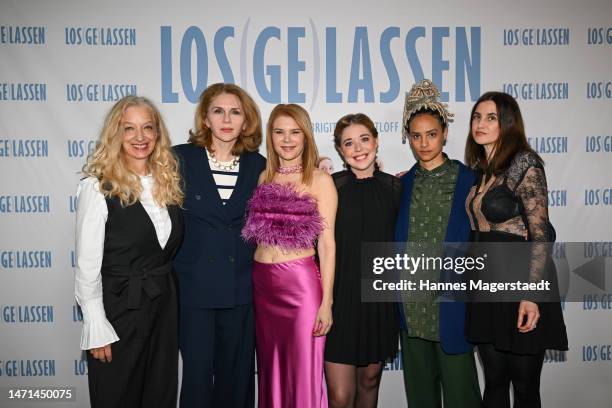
[287, 297]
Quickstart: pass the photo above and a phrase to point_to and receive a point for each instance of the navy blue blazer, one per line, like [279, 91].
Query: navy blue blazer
[214, 263]
[452, 314]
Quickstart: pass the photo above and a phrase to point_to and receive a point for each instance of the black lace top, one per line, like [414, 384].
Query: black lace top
[515, 202]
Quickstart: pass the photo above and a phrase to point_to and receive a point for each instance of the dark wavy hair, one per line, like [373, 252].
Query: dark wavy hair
[511, 138]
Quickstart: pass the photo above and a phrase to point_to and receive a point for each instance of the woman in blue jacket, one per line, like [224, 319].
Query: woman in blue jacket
[437, 358]
[219, 166]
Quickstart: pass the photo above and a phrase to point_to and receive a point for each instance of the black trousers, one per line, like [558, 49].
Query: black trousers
[144, 368]
[218, 350]
[502, 368]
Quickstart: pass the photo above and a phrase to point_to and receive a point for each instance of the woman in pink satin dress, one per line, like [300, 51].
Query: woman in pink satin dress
[292, 209]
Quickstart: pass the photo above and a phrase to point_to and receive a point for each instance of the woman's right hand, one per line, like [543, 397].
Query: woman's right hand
[528, 316]
[103, 353]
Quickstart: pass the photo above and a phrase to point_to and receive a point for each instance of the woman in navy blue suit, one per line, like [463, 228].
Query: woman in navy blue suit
[219, 166]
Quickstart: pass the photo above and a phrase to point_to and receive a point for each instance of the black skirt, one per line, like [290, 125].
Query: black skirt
[496, 322]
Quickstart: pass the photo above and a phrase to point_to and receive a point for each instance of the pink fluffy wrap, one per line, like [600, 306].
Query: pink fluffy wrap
[280, 216]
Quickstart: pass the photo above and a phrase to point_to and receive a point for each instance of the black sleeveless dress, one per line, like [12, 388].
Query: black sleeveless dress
[362, 333]
[498, 214]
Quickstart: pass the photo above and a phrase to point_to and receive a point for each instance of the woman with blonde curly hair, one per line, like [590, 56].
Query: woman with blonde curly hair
[128, 229]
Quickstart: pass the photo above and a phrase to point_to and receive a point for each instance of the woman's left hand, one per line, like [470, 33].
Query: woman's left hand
[532, 312]
[323, 322]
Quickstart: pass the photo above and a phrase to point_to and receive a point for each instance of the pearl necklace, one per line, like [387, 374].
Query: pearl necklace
[290, 169]
[223, 166]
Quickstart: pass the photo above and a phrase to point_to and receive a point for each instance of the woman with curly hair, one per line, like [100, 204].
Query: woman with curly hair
[128, 229]
[438, 361]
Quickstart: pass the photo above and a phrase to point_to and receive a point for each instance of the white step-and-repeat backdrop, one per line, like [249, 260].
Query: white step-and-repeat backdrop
[63, 64]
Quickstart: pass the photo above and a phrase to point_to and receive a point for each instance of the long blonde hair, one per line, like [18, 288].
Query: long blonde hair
[108, 165]
[249, 140]
[310, 155]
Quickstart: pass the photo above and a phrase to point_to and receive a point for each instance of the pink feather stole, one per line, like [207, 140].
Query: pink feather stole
[280, 216]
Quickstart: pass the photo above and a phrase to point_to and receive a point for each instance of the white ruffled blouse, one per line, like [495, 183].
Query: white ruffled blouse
[91, 218]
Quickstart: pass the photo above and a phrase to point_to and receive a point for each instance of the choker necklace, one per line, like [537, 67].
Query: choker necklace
[223, 166]
[289, 169]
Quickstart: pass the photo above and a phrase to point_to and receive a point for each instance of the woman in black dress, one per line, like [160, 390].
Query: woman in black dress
[509, 204]
[364, 335]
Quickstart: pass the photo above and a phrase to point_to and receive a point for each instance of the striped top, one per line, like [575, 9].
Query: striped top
[225, 180]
